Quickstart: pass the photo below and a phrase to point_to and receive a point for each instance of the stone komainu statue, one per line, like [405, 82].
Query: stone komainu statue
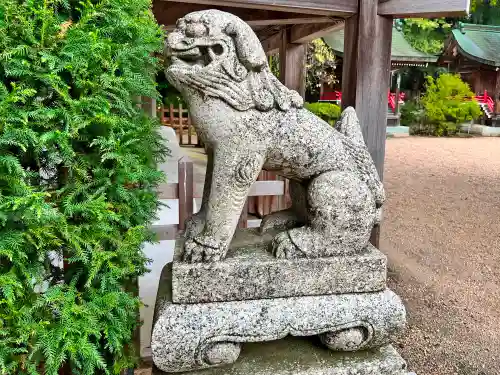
[249, 121]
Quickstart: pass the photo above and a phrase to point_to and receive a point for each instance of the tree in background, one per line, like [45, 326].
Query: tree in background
[484, 12]
[320, 65]
[274, 64]
[426, 35]
[77, 180]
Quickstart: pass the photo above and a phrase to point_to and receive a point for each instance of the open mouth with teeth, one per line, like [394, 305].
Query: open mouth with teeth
[197, 56]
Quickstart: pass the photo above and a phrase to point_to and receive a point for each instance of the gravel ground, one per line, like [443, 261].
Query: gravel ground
[441, 232]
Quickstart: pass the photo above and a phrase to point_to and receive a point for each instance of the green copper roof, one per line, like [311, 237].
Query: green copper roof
[401, 50]
[479, 42]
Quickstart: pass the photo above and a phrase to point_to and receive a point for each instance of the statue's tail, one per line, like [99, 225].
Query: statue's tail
[354, 143]
[348, 124]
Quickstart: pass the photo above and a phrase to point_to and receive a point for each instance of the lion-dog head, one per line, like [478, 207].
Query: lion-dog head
[216, 54]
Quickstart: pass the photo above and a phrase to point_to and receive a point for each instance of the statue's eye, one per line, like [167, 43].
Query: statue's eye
[181, 24]
[218, 49]
[195, 30]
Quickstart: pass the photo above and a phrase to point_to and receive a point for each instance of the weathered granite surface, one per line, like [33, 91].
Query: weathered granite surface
[309, 270]
[304, 356]
[196, 336]
[249, 121]
[250, 271]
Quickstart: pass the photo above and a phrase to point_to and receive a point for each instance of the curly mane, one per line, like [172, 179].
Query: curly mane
[242, 78]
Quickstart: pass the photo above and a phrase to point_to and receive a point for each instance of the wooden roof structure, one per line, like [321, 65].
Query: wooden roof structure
[477, 43]
[288, 24]
[402, 53]
[473, 51]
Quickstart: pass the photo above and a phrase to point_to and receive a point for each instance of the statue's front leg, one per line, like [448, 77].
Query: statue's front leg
[235, 170]
[196, 223]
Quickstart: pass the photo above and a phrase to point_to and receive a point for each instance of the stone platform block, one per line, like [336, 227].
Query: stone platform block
[196, 336]
[299, 356]
[250, 272]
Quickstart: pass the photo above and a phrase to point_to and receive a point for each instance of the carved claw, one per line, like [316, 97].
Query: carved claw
[195, 251]
[283, 247]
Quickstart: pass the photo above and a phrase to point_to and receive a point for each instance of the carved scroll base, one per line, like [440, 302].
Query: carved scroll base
[197, 336]
[302, 356]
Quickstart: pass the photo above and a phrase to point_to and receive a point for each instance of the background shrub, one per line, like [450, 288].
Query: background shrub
[77, 180]
[448, 102]
[412, 113]
[329, 112]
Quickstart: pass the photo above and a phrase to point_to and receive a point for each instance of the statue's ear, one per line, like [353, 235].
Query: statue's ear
[248, 47]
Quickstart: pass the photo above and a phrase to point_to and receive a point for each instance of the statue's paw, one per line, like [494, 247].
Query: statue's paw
[194, 225]
[283, 247]
[200, 249]
[280, 220]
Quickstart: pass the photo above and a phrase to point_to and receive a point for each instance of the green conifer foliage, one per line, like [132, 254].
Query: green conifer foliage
[77, 180]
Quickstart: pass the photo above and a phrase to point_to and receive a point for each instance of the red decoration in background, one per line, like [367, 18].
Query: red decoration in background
[336, 96]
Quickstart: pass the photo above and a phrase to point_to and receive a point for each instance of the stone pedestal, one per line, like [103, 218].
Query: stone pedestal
[306, 356]
[207, 314]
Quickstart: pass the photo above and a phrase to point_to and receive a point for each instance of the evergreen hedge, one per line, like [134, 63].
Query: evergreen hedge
[328, 112]
[77, 180]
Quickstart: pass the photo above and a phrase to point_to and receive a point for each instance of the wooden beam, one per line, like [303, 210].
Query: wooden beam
[278, 22]
[290, 21]
[300, 34]
[265, 188]
[320, 7]
[272, 44]
[307, 33]
[424, 8]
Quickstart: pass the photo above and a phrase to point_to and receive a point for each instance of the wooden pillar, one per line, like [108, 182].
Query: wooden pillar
[365, 78]
[293, 76]
[149, 106]
[137, 101]
[476, 83]
[292, 64]
[366, 71]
